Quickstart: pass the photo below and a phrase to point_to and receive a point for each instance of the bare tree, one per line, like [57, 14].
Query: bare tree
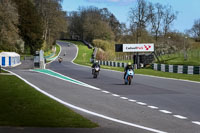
[139, 16]
[195, 30]
[169, 17]
[156, 18]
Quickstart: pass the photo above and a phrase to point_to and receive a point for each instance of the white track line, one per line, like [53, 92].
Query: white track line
[125, 98]
[180, 117]
[196, 122]
[140, 103]
[87, 111]
[105, 92]
[153, 107]
[165, 111]
[131, 100]
[115, 95]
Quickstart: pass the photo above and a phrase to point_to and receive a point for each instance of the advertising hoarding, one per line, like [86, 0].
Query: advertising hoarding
[145, 47]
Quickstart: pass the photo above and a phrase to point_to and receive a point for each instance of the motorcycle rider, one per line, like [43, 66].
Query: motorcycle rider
[128, 66]
[60, 59]
[95, 64]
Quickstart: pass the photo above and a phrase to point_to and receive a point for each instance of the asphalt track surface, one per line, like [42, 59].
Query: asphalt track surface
[163, 105]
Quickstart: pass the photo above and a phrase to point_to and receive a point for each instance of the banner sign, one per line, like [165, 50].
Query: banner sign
[145, 47]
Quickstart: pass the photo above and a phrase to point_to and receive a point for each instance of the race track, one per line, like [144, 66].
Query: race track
[160, 104]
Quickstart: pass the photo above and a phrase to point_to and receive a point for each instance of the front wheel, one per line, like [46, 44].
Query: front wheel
[95, 74]
[129, 80]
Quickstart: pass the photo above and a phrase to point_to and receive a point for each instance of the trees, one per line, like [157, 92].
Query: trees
[90, 23]
[8, 25]
[156, 17]
[169, 17]
[53, 18]
[139, 17]
[30, 25]
[195, 30]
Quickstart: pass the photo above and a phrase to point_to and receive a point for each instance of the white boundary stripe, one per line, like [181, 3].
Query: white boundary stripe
[115, 95]
[87, 111]
[153, 107]
[196, 122]
[131, 100]
[105, 92]
[180, 117]
[165, 111]
[140, 103]
[125, 98]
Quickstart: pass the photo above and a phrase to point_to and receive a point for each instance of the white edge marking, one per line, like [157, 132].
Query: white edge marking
[180, 117]
[140, 103]
[105, 92]
[196, 122]
[131, 100]
[87, 111]
[125, 98]
[115, 95]
[153, 107]
[165, 111]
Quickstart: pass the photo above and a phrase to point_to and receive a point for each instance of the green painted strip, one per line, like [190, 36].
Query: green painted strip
[46, 71]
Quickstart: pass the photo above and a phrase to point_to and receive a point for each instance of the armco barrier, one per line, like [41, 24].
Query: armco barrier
[177, 68]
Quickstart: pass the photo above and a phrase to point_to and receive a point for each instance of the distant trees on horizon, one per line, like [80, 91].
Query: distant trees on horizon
[27, 26]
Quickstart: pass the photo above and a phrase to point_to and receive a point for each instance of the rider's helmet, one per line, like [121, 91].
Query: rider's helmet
[129, 63]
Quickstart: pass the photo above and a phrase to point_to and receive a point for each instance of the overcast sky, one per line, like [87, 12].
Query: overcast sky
[188, 10]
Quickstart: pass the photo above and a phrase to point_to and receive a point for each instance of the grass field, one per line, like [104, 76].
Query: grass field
[23, 106]
[193, 58]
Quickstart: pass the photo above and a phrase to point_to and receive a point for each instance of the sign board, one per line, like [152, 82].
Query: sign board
[145, 47]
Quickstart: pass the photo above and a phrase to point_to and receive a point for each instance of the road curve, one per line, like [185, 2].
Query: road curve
[161, 104]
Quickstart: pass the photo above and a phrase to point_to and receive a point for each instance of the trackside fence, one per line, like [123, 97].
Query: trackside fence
[177, 68]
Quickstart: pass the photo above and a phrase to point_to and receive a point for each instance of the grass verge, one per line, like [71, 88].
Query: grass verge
[21, 105]
[2, 71]
[84, 54]
[85, 60]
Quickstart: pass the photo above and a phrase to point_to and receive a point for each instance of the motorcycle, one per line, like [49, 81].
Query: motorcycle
[128, 77]
[60, 60]
[95, 71]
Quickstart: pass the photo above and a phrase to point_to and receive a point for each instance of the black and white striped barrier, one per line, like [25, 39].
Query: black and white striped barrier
[177, 68]
[112, 63]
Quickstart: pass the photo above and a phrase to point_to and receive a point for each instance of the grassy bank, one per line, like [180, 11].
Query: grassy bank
[193, 58]
[84, 54]
[84, 60]
[21, 105]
